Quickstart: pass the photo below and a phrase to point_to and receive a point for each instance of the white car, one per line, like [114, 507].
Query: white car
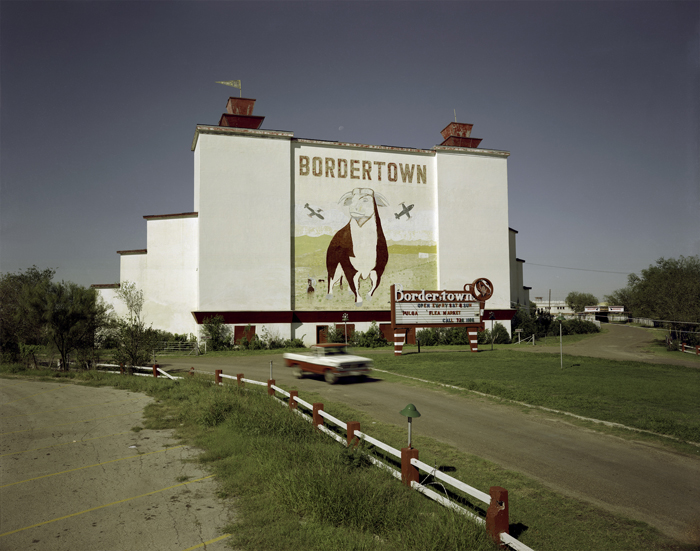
[330, 360]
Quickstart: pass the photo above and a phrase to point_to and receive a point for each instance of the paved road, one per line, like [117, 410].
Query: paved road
[641, 481]
[74, 476]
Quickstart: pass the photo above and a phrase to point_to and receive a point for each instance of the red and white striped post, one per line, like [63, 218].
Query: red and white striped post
[473, 339]
[399, 341]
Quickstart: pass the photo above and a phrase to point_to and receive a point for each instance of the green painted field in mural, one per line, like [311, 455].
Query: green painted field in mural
[413, 266]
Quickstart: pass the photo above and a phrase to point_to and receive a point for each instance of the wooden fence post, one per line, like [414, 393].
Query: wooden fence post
[121, 369]
[497, 513]
[155, 370]
[239, 379]
[292, 402]
[352, 427]
[217, 377]
[409, 473]
[191, 372]
[318, 420]
[270, 390]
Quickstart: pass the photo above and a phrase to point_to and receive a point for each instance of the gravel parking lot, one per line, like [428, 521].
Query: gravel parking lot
[73, 475]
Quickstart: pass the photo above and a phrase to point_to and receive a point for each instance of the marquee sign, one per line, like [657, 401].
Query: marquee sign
[440, 308]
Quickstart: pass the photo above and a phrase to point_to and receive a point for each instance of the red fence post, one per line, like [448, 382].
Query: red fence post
[292, 402]
[191, 372]
[697, 350]
[239, 379]
[155, 370]
[318, 420]
[121, 369]
[682, 347]
[352, 427]
[217, 377]
[497, 513]
[270, 390]
[409, 473]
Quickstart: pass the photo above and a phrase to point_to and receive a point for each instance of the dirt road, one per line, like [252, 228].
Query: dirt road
[619, 342]
[640, 481]
[74, 476]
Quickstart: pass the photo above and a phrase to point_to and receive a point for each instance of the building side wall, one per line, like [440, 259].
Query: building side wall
[473, 223]
[245, 227]
[171, 275]
[132, 268]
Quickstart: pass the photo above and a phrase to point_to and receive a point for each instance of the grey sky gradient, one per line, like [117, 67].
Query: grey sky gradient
[598, 103]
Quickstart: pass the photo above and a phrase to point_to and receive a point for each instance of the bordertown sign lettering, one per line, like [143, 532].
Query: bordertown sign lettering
[440, 308]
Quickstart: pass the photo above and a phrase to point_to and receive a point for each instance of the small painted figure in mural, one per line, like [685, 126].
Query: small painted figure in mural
[406, 210]
[313, 212]
[358, 250]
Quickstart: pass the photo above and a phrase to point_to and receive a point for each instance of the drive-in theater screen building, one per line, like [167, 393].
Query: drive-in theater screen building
[288, 234]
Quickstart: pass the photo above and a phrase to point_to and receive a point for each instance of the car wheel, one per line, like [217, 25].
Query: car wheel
[330, 377]
[298, 373]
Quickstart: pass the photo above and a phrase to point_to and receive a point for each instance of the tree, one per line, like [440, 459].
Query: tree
[17, 328]
[71, 315]
[578, 301]
[218, 333]
[135, 341]
[668, 290]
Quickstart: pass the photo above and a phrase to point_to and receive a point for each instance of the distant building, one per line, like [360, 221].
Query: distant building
[287, 234]
[555, 307]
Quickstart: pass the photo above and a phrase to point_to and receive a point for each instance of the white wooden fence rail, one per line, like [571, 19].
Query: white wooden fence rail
[447, 479]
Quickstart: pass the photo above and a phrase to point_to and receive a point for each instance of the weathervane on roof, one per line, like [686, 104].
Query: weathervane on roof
[233, 84]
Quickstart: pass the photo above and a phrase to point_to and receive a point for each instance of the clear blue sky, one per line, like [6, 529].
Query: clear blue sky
[598, 103]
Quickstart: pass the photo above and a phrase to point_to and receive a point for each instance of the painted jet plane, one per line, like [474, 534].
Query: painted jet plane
[314, 212]
[406, 210]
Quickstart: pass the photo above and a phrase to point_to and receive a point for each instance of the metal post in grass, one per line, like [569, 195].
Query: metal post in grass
[561, 347]
[270, 369]
[345, 321]
[492, 317]
[410, 411]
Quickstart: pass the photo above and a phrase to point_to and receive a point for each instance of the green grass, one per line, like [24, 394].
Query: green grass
[296, 488]
[660, 398]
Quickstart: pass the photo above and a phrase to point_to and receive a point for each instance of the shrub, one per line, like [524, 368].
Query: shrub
[500, 335]
[218, 332]
[372, 338]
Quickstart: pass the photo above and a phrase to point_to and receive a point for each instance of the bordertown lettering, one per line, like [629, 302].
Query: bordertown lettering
[356, 169]
[443, 296]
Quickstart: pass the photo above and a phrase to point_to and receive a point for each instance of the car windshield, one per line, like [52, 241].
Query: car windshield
[334, 351]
